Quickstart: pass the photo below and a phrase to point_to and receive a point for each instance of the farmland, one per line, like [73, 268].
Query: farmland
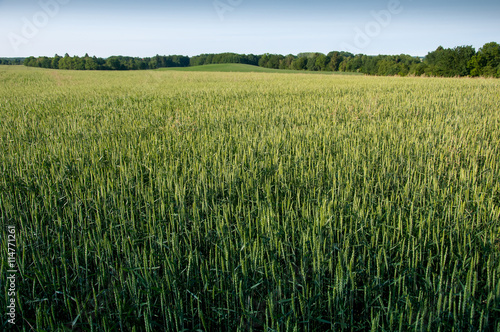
[171, 200]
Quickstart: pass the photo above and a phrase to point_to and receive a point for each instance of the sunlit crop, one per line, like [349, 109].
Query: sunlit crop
[163, 200]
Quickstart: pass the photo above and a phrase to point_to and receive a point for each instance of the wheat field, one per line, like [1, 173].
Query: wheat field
[205, 201]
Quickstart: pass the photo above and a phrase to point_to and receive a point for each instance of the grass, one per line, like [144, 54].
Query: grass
[242, 68]
[170, 200]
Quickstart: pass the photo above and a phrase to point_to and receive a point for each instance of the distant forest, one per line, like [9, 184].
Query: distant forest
[11, 61]
[443, 62]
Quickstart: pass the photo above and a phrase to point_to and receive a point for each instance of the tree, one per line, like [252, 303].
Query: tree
[44, 62]
[299, 63]
[461, 58]
[311, 62]
[66, 62]
[274, 61]
[418, 69]
[113, 63]
[321, 62]
[55, 62]
[90, 63]
[335, 60]
[449, 62]
[354, 64]
[264, 59]
[78, 63]
[486, 62]
[252, 59]
[286, 62]
[30, 62]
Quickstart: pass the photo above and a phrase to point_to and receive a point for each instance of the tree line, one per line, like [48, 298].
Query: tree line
[11, 61]
[443, 62]
[112, 63]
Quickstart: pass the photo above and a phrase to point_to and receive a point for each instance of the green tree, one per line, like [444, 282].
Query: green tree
[321, 62]
[264, 59]
[486, 62]
[78, 63]
[113, 63]
[461, 58]
[65, 62]
[30, 62]
[299, 63]
[311, 63]
[274, 61]
[335, 60]
[449, 62]
[55, 62]
[90, 63]
[354, 64]
[418, 69]
[44, 62]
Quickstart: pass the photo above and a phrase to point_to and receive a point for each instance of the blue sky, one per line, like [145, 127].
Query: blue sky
[190, 27]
